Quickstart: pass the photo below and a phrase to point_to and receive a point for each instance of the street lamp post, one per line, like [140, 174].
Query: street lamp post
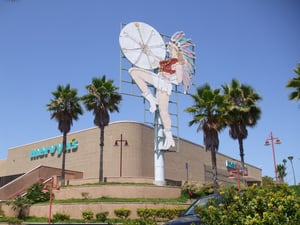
[239, 172]
[121, 141]
[277, 141]
[50, 186]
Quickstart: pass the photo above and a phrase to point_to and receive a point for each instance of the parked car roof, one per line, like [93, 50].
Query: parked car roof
[189, 216]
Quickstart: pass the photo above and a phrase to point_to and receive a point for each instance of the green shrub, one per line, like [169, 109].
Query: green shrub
[159, 214]
[296, 188]
[146, 213]
[101, 216]
[35, 219]
[11, 220]
[265, 205]
[60, 217]
[35, 193]
[139, 222]
[193, 190]
[163, 213]
[175, 212]
[122, 213]
[87, 215]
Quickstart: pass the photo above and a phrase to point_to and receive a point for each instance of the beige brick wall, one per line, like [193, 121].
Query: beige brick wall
[138, 156]
[116, 191]
[119, 191]
[75, 210]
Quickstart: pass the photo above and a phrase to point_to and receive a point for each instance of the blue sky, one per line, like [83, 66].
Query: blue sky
[44, 43]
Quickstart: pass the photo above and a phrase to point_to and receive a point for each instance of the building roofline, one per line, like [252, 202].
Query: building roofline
[75, 132]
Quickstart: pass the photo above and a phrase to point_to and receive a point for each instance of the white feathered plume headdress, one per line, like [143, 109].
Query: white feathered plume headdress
[186, 47]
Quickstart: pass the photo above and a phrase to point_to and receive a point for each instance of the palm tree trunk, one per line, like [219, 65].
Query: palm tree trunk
[214, 170]
[62, 181]
[101, 178]
[20, 214]
[242, 153]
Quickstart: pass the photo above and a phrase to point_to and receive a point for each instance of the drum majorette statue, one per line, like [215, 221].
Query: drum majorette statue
[145, 48]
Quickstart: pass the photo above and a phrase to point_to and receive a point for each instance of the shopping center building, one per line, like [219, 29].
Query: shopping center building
[128, 155]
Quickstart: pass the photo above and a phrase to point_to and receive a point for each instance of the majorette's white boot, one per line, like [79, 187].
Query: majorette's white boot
[169, 141]
[152, 100]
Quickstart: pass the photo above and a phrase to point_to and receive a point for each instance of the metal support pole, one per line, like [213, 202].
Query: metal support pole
[159, 157]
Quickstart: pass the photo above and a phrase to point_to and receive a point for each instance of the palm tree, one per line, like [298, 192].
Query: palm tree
[101, 99]
[208, 112]
[242, 112]
[291, 160]
[65, 108]
[281, 169]
[295, 83]
[20, 204]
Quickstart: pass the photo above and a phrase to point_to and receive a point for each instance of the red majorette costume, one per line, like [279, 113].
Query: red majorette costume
[166, 76]
[166, 66]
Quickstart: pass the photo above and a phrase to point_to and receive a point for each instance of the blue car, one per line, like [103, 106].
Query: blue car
[189, 216]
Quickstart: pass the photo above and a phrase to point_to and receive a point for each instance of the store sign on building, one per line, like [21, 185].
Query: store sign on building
[233, 165]
[45, 151]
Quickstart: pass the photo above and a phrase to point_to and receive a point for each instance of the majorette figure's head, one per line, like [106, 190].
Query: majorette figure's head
[185, 46]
